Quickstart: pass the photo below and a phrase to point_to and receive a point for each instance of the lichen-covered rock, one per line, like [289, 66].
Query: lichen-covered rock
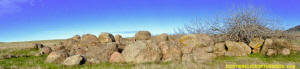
[100, 53]
[57, 56]
[141, 52]
[237, 49]
[105, 37]
[191, 41]
[116, 57]
[170, 51]
[256, 44]
[142, 35]
[74, 60]
[219, 49]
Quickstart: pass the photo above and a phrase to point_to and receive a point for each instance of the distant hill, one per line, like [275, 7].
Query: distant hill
[297, 28]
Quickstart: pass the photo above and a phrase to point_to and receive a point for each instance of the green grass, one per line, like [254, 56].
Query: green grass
[293, 57]
[31, 61]
[34, 62]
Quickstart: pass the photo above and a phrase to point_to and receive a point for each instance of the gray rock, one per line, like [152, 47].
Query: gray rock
[142, 35]
[74, 60]
[141, 52]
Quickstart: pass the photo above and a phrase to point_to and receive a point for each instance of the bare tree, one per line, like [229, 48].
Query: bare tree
[241, 25]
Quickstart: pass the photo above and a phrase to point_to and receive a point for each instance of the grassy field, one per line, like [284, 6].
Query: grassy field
[33, 62]
[24, 59]
[27, 44]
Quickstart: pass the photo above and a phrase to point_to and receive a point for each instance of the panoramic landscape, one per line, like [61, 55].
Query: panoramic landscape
[154, 34]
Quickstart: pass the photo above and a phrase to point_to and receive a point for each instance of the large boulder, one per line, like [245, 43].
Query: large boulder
[105, 37]
[267, 45]
[116, 57]
[170, 51]
[197, 47]
[280, 46]
[142, 35]
[118, 38]
[162, 37]
[88, 39]
[45, 50]
[141, 52]
[57, 56]
[71, 42]
[237, 49]
[219, 49]
[199, 54]
[74, 60]
[100, 53]
[271, 52]
[256, 44]
[285, 51]
[191, 41]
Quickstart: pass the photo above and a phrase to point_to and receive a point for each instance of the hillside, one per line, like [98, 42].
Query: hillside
[297, 28]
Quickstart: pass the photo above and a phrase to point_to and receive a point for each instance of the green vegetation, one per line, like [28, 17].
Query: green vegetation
[293, 57]
[34, 62]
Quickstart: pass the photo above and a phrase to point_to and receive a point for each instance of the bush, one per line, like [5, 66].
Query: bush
[241, 25]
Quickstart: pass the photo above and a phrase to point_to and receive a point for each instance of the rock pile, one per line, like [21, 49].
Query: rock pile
[144, 48]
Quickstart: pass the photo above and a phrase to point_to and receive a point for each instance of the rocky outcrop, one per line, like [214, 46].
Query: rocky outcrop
[142, 35]
[237, 49]
[141, 52]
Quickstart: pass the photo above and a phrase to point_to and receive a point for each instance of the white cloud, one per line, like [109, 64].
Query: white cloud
[12, 6]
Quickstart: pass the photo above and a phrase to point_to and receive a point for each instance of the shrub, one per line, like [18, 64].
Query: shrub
[241, 25]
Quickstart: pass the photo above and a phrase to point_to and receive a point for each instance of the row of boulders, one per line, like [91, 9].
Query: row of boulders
[146, 48]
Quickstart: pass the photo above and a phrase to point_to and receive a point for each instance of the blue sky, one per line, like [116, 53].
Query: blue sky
[26, 20]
